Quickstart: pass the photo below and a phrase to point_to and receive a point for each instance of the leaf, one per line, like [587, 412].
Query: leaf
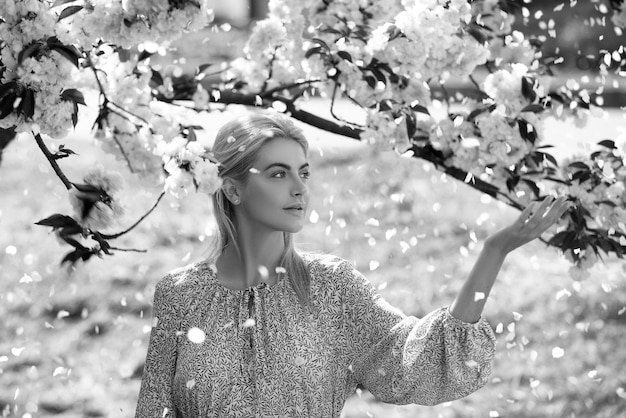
[69, 11]
[313, 51]
[533, 186]
[27, 106]
[29, 51]
[7, 88]
[419, 108]
[345, 55]
[156, 79]
[322, 43]
[527, 131]
[203, 67]
[607, 143]
[61, 2]
[527, 89]
[69, 52]
[78, 254]
[535, 108]
[73, 95]
[579, 164]
[58, 221]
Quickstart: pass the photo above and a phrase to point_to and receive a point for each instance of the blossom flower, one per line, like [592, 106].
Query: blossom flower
[384, 132]
[489, 14]
[512, 48]
[94, 203]
[267, 35]
[505, 87]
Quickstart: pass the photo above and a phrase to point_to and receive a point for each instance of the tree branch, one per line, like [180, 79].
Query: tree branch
[119, 234]
[53, 162]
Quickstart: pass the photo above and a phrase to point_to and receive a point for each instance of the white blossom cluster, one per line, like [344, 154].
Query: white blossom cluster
[505, 87]
[384, 132]
[90, 210]
[431, 44]
[611, 215]
[46, 72]
[130, 22]
[189, 167]
[512, 48]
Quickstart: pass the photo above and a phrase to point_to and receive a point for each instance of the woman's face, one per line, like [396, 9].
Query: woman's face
[276, 196]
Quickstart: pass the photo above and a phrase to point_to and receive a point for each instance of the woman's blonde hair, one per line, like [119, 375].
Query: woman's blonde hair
[236, 147]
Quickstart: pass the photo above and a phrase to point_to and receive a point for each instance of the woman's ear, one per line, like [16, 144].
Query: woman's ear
[232, 190]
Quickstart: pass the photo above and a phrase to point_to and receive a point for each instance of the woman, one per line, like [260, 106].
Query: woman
[262, 330]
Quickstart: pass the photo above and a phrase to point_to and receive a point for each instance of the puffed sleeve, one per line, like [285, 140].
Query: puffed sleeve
[402, 359]
[155, 395]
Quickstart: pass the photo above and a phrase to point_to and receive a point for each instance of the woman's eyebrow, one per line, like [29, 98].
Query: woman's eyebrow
[285, 166]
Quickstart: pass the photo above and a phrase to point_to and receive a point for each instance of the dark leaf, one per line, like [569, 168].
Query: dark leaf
[58, 221]
[533, 186]
[477, 33]
[144, 55]
[68, 11]
[8, 88]
[69, 52]
[535, 108]
[579, 164]
[345, 55]
[6, 105]
[419, 108]
[156, 79]
[76, 255]
[202, 67]
[313, 51]
[527, 89]
[61, 2]
[607, 143]
[27, 106]
[527, 131]
[29, 51]
[322, 43]
[73, 95]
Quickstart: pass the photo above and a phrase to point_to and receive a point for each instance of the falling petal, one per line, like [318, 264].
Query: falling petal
[62, 314]
[196, 335]
[280, 270]
[558, 352]
[374, 265]
[264, 272]
[26, 279]
[478, 296]
[314, 217]
[16, 351]
[186, 258]
[517, 316]
[382, 285]
[3, 358]
[250, 322]
[11, 250]
[190, 383]
[372, 222]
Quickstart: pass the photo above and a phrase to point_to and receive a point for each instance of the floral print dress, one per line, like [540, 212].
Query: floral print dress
[220, 352]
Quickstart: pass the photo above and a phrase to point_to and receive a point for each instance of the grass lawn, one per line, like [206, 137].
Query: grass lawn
[73, 342]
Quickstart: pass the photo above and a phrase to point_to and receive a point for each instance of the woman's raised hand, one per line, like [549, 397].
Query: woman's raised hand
[533, 221]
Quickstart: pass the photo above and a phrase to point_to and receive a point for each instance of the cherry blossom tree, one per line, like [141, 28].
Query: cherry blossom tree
[392, 59]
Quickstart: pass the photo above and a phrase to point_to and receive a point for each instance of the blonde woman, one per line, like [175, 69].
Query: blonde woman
[260, 329]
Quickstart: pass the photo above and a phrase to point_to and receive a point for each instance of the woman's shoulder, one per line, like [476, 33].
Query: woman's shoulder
[185, 279]
[326, 265]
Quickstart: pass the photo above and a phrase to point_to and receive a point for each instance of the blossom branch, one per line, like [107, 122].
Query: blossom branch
[119, 234]
[52, 160]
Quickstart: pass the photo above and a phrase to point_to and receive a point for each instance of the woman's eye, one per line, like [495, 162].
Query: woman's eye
[305, 174]
[279, 174]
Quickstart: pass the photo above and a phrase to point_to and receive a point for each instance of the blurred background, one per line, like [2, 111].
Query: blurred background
[73, 340]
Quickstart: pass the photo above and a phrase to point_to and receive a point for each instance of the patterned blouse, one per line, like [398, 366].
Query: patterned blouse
[220, 352]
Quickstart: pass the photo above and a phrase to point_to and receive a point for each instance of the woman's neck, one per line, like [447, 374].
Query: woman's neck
[253, 261]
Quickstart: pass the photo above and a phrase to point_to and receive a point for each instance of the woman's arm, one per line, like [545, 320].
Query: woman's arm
[533, 221]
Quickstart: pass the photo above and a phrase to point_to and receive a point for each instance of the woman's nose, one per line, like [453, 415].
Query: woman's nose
[299, 188]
